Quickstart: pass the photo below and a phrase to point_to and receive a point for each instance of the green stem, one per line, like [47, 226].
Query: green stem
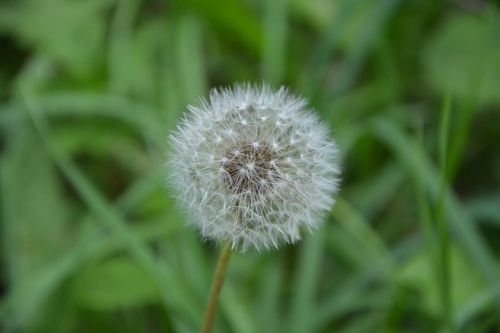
[218, 280]
[441, 220]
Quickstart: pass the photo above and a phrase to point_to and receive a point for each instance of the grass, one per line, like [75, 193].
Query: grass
[91, 239]
[441, 220]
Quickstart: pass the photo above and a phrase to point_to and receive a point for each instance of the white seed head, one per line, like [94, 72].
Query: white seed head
[253, 166]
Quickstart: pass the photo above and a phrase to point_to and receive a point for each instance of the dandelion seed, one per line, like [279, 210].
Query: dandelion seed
[257, 192]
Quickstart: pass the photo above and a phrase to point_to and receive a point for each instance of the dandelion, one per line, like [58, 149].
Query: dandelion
[253, 166]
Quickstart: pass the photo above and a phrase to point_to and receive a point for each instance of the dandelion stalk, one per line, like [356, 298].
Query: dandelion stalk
[217, 282]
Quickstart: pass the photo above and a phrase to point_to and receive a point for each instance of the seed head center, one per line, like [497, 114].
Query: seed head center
[250, 167]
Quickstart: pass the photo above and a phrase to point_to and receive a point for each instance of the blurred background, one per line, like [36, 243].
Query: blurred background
[91, 239]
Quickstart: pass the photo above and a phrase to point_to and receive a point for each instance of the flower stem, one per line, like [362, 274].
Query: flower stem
[218, 280]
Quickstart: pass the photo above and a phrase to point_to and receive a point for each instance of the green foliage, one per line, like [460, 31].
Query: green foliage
[114, 284]
[69, 32]
[464, 56]
[468, 287]
[92, 241]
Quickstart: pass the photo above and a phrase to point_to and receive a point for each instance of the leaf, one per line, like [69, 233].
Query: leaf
[70, 32]
[413, 157]
[463, 56]
[115, 284]
[33, 215]
[34, 208]
[307, 274]
[466, 283]
[231, 20]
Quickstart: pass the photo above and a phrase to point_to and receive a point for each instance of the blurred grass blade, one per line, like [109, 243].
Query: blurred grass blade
[486, 208]
[267, 302]
[275, 37]
[357, 55]
[189, 59]
[441, 222]
[174, 292]
[328, 46]
[369, 244]
[236, 311]
[119, 57]
[70, 103]
[306, 278]
[411, 155]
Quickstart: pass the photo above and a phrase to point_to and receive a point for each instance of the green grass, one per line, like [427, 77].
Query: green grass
[91, 240]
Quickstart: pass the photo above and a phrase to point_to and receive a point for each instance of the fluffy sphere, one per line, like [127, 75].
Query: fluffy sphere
[253, 166]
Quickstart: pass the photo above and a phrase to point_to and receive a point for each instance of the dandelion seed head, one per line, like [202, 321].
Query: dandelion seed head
[253, 166]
